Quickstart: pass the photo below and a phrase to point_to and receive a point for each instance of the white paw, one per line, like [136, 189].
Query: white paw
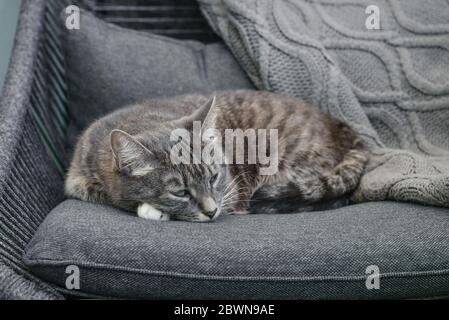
[148, 212]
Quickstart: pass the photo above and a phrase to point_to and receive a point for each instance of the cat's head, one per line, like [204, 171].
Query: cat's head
[146, 173]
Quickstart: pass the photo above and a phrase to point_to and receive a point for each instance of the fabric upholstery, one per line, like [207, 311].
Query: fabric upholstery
[310, 255]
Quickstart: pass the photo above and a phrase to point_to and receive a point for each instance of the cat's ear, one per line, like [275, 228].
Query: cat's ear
[130, 156]
[206, 114]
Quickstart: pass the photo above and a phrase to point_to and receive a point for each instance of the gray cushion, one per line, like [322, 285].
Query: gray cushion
[309, 255]
[109, 67]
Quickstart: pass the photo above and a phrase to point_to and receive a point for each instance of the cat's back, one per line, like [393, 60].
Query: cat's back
[246, 109]
[152, 113]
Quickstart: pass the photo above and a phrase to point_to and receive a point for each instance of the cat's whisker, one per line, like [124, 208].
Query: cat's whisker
[236, 195]
[241, 174]
[233, 195]
[234, 186]
[238, 191]
[235, 181]
[231, 199]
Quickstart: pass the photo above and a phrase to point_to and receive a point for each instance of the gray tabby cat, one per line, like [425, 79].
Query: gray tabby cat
[124, 159]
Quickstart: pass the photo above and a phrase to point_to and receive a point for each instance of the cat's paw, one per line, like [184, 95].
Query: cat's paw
[313, 190]
[146, 211]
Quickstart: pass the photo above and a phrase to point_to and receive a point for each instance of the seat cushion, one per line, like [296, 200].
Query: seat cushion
[109, 67]
[315, 255]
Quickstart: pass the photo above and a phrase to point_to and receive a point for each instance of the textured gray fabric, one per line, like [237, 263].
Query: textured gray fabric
[309, 255]
[29, 184]
[17, 287]
[391, 85]
[110, 67]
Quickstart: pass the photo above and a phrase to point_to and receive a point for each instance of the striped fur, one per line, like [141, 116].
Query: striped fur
[123, 159]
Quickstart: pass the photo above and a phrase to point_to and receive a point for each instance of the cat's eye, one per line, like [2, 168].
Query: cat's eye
[181, 193]
[214, 178]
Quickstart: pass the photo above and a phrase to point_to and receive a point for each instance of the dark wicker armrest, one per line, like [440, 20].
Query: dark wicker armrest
[33, 120]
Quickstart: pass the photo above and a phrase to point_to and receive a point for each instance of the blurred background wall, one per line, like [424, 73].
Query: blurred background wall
[9, 12]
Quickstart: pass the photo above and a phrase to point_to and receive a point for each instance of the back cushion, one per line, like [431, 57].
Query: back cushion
[109, 67]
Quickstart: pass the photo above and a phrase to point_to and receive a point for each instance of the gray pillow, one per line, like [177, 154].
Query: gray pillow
[109, 67]
[313, 255]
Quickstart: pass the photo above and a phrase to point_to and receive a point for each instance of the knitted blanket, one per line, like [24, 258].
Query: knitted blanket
[391, 84]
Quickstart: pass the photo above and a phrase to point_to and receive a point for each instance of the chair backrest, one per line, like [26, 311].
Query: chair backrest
[180, 19]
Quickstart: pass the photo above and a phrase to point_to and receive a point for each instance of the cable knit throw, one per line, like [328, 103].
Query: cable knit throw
[391, 84]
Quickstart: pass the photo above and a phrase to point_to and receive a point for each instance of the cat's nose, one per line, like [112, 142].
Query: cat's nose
[211, 214]
[209, 207]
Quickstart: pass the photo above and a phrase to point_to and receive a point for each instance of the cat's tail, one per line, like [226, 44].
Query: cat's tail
[295, 205]
[345, 177]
